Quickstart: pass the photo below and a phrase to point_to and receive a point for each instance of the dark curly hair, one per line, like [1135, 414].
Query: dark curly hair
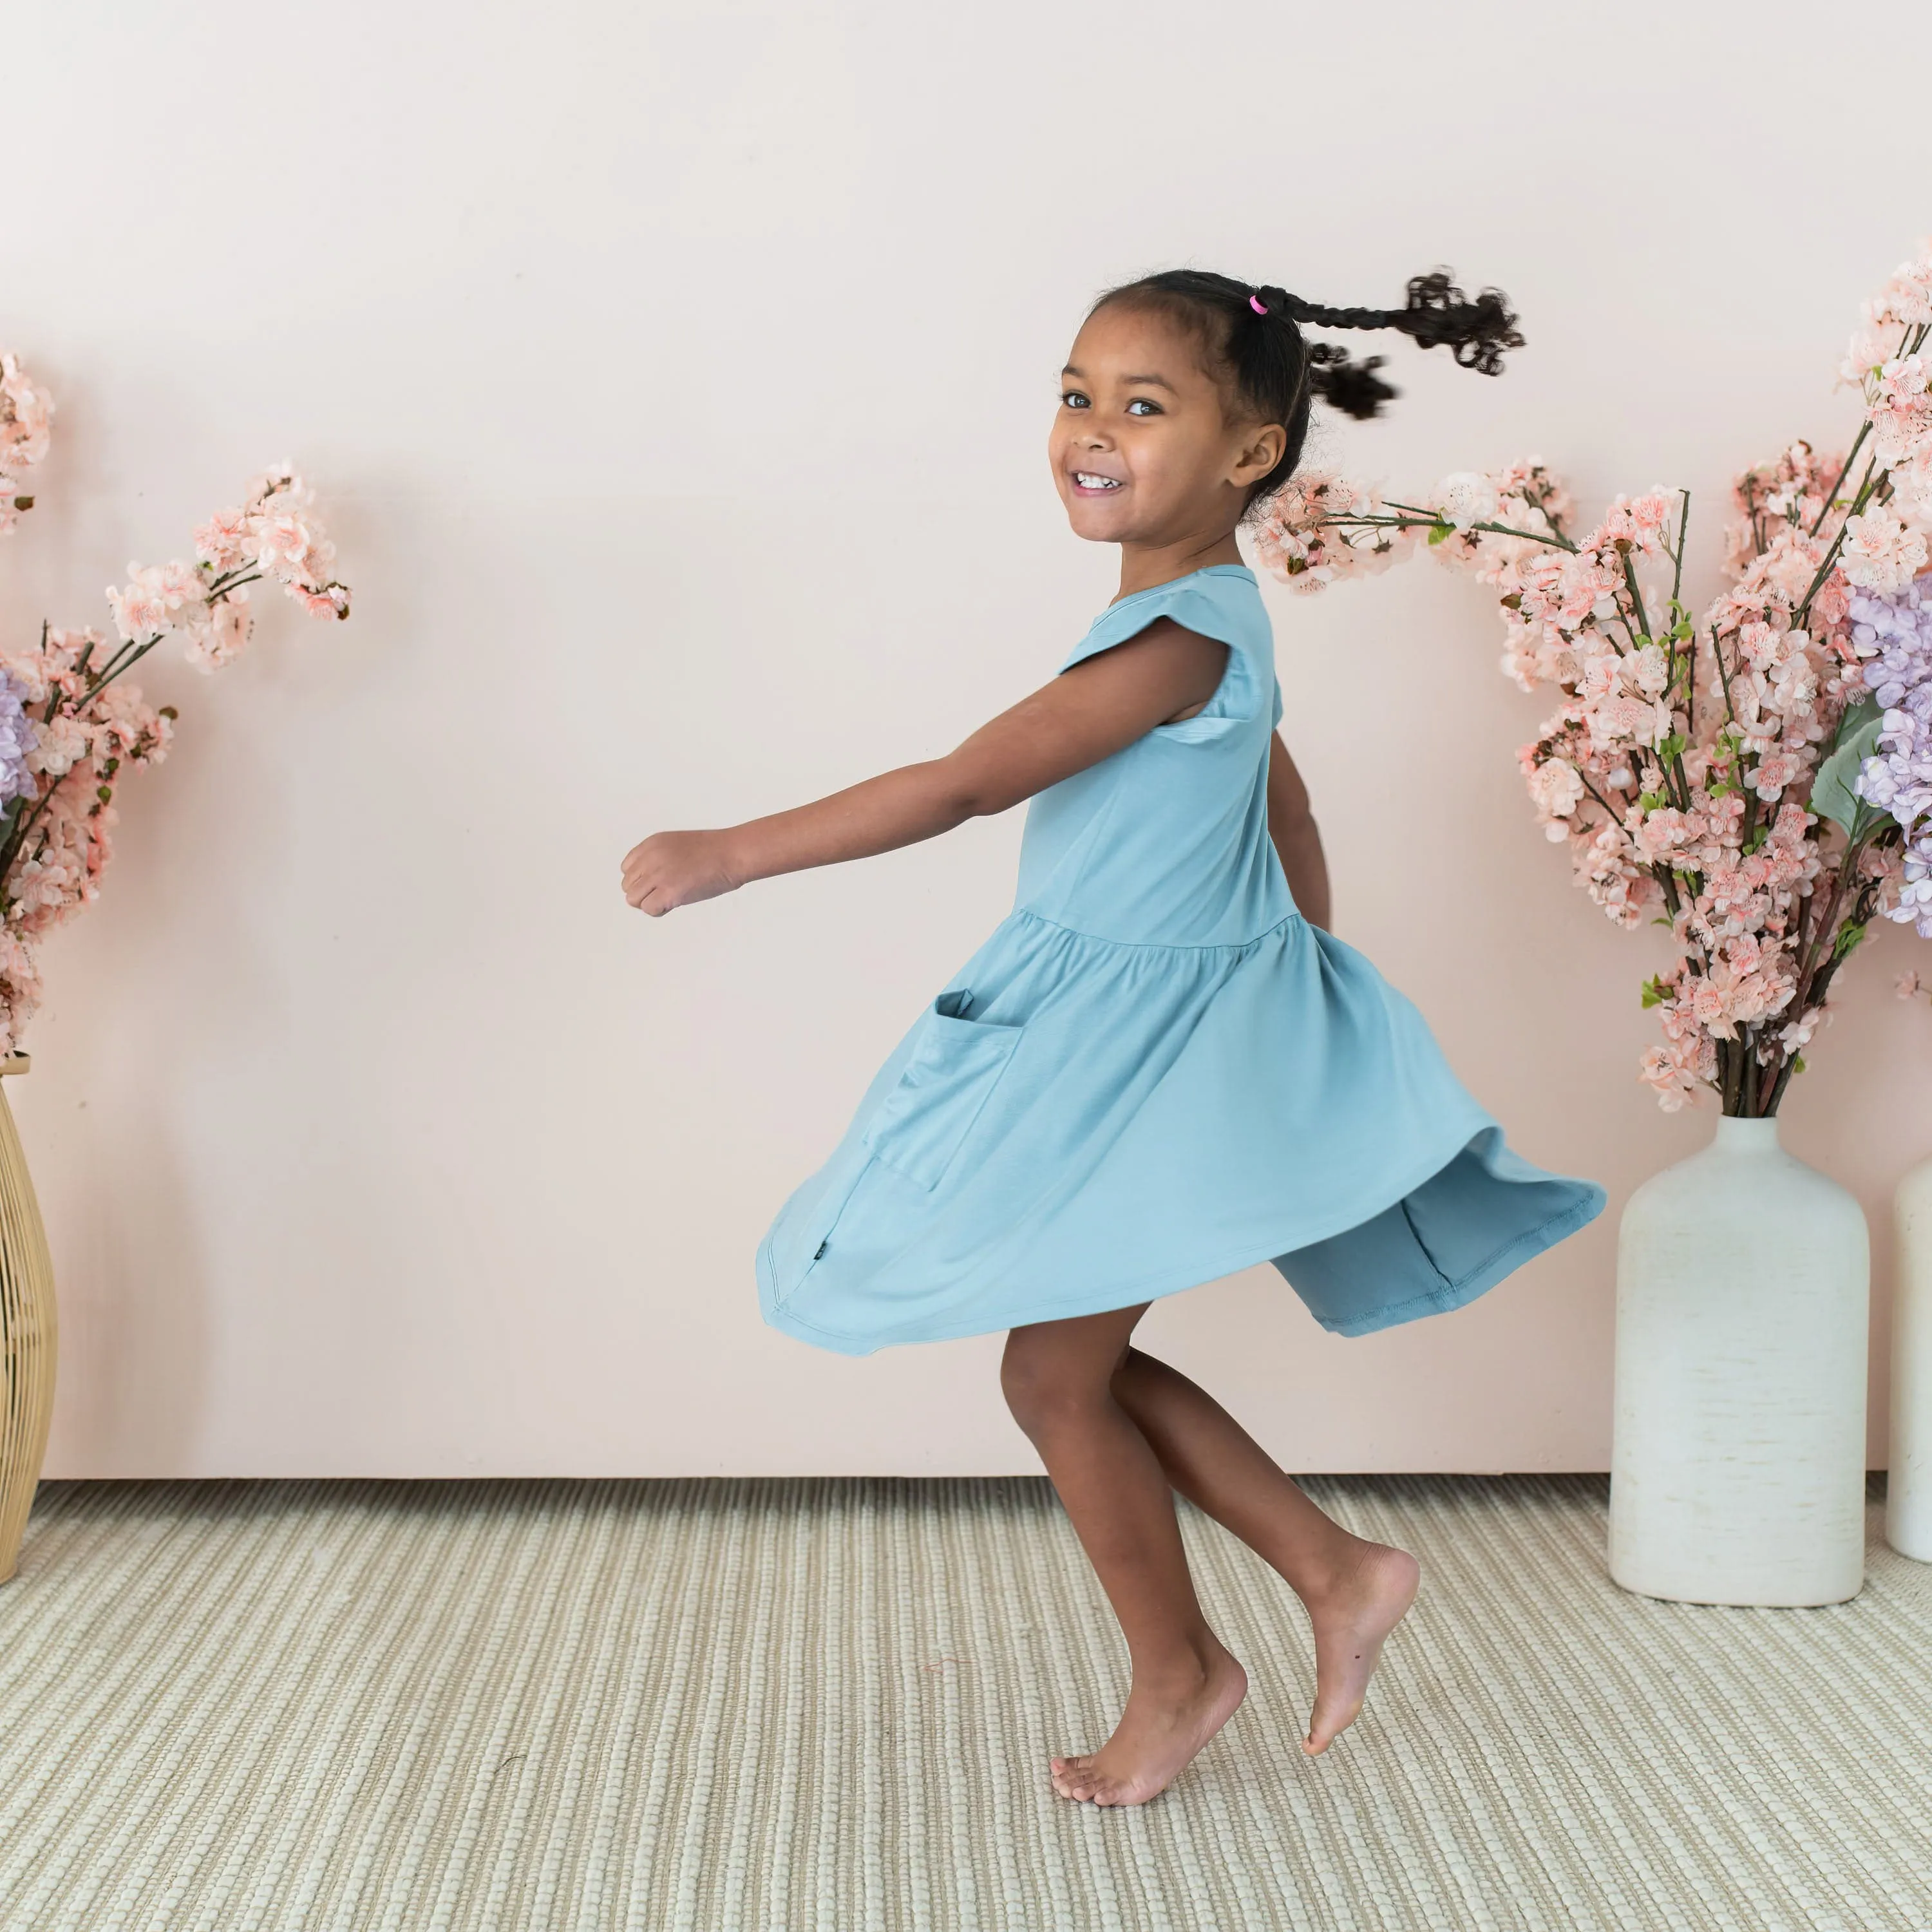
[1251, 335]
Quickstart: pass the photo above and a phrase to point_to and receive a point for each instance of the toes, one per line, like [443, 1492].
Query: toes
[1321, 1733]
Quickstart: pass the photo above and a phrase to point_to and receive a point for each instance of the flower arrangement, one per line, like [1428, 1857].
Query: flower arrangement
[70, 724]
[1758, 777]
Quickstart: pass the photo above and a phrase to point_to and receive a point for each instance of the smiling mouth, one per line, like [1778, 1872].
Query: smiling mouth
[1095, 485]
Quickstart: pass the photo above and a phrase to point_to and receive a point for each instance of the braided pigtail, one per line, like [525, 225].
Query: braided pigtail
[1438, 313]
[1256, 334]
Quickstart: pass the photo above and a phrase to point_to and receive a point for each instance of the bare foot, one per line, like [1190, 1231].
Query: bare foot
[1365, 1602]
[1157, 1738]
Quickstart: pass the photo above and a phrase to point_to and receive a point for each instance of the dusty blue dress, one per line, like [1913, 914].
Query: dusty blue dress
[1156, 1072]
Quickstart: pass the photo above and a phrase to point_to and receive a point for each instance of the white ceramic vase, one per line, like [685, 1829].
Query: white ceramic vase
[1908, 1508]
[1737, 1462]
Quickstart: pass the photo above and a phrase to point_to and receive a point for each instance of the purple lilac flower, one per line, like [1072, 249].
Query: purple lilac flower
[1915, 896]
[18, 737]
[1896, 630]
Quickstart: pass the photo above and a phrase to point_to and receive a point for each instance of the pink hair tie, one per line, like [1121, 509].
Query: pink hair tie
[1254, 303]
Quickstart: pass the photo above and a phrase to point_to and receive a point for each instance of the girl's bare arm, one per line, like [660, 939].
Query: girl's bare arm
[1296, 837]
[1086, 714]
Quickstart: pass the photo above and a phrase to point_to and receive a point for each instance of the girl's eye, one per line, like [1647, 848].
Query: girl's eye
[1072, 399]
[1144, 405]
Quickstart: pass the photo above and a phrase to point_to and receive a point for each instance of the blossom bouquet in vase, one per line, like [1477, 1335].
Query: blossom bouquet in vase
[71, 727]
[1756, 777]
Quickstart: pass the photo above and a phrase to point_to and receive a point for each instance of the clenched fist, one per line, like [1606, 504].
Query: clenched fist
[675, 869]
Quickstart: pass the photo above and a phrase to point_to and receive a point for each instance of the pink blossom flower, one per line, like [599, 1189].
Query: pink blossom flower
[284, 544]
[1464, 499]
[1557, 787]
[1867, 351]
[332, 601]
[1787, 566]
[229, 625]
[156, 600]
[26, 417]
[1621, 720]
[63, 742]
[1647, 669]
[1882, 551]
[1795, 688]
[1673, 1071]
[1309, 534]
[1773, 774]
[1654, 512]
[223, 540]
[1900, 410]
[1788, 495]
[26, 412]
[1907, 297]
[1796, 1037]
[140, 609]
[1912, 486]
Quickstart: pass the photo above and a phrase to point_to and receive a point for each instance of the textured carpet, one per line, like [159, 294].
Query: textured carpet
[828, 1705]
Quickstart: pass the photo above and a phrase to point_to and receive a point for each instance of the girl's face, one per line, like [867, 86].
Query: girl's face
[1143, 450]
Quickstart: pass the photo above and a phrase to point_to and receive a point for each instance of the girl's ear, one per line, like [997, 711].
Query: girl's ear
[1258, 454]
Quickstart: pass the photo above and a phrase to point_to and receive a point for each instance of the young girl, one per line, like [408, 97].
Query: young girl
[1161, 1067]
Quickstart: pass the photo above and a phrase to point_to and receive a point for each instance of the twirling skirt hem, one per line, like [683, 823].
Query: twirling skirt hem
[1521, 1247]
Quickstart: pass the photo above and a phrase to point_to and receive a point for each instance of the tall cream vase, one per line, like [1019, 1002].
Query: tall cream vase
[1738, 1457]
[27, 1334]
[1908, 1506]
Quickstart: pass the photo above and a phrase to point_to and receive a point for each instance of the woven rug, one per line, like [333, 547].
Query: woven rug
[698, 1706]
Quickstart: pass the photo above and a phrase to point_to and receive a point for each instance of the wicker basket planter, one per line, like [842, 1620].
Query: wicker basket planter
[27, 1334]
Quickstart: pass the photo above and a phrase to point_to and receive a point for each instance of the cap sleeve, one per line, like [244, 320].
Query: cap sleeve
[1227, 609]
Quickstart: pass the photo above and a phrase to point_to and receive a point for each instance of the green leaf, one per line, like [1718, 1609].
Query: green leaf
[1440, 533]
[1674, 745]
[1655, 992]
[1850, 934]
[1798, 1063]
[1832, 796]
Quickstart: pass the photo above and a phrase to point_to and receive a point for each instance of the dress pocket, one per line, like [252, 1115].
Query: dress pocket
[954, 1065]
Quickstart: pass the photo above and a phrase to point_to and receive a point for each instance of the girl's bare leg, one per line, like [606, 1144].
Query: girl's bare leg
[1058, 1379]
[1356, 1591]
